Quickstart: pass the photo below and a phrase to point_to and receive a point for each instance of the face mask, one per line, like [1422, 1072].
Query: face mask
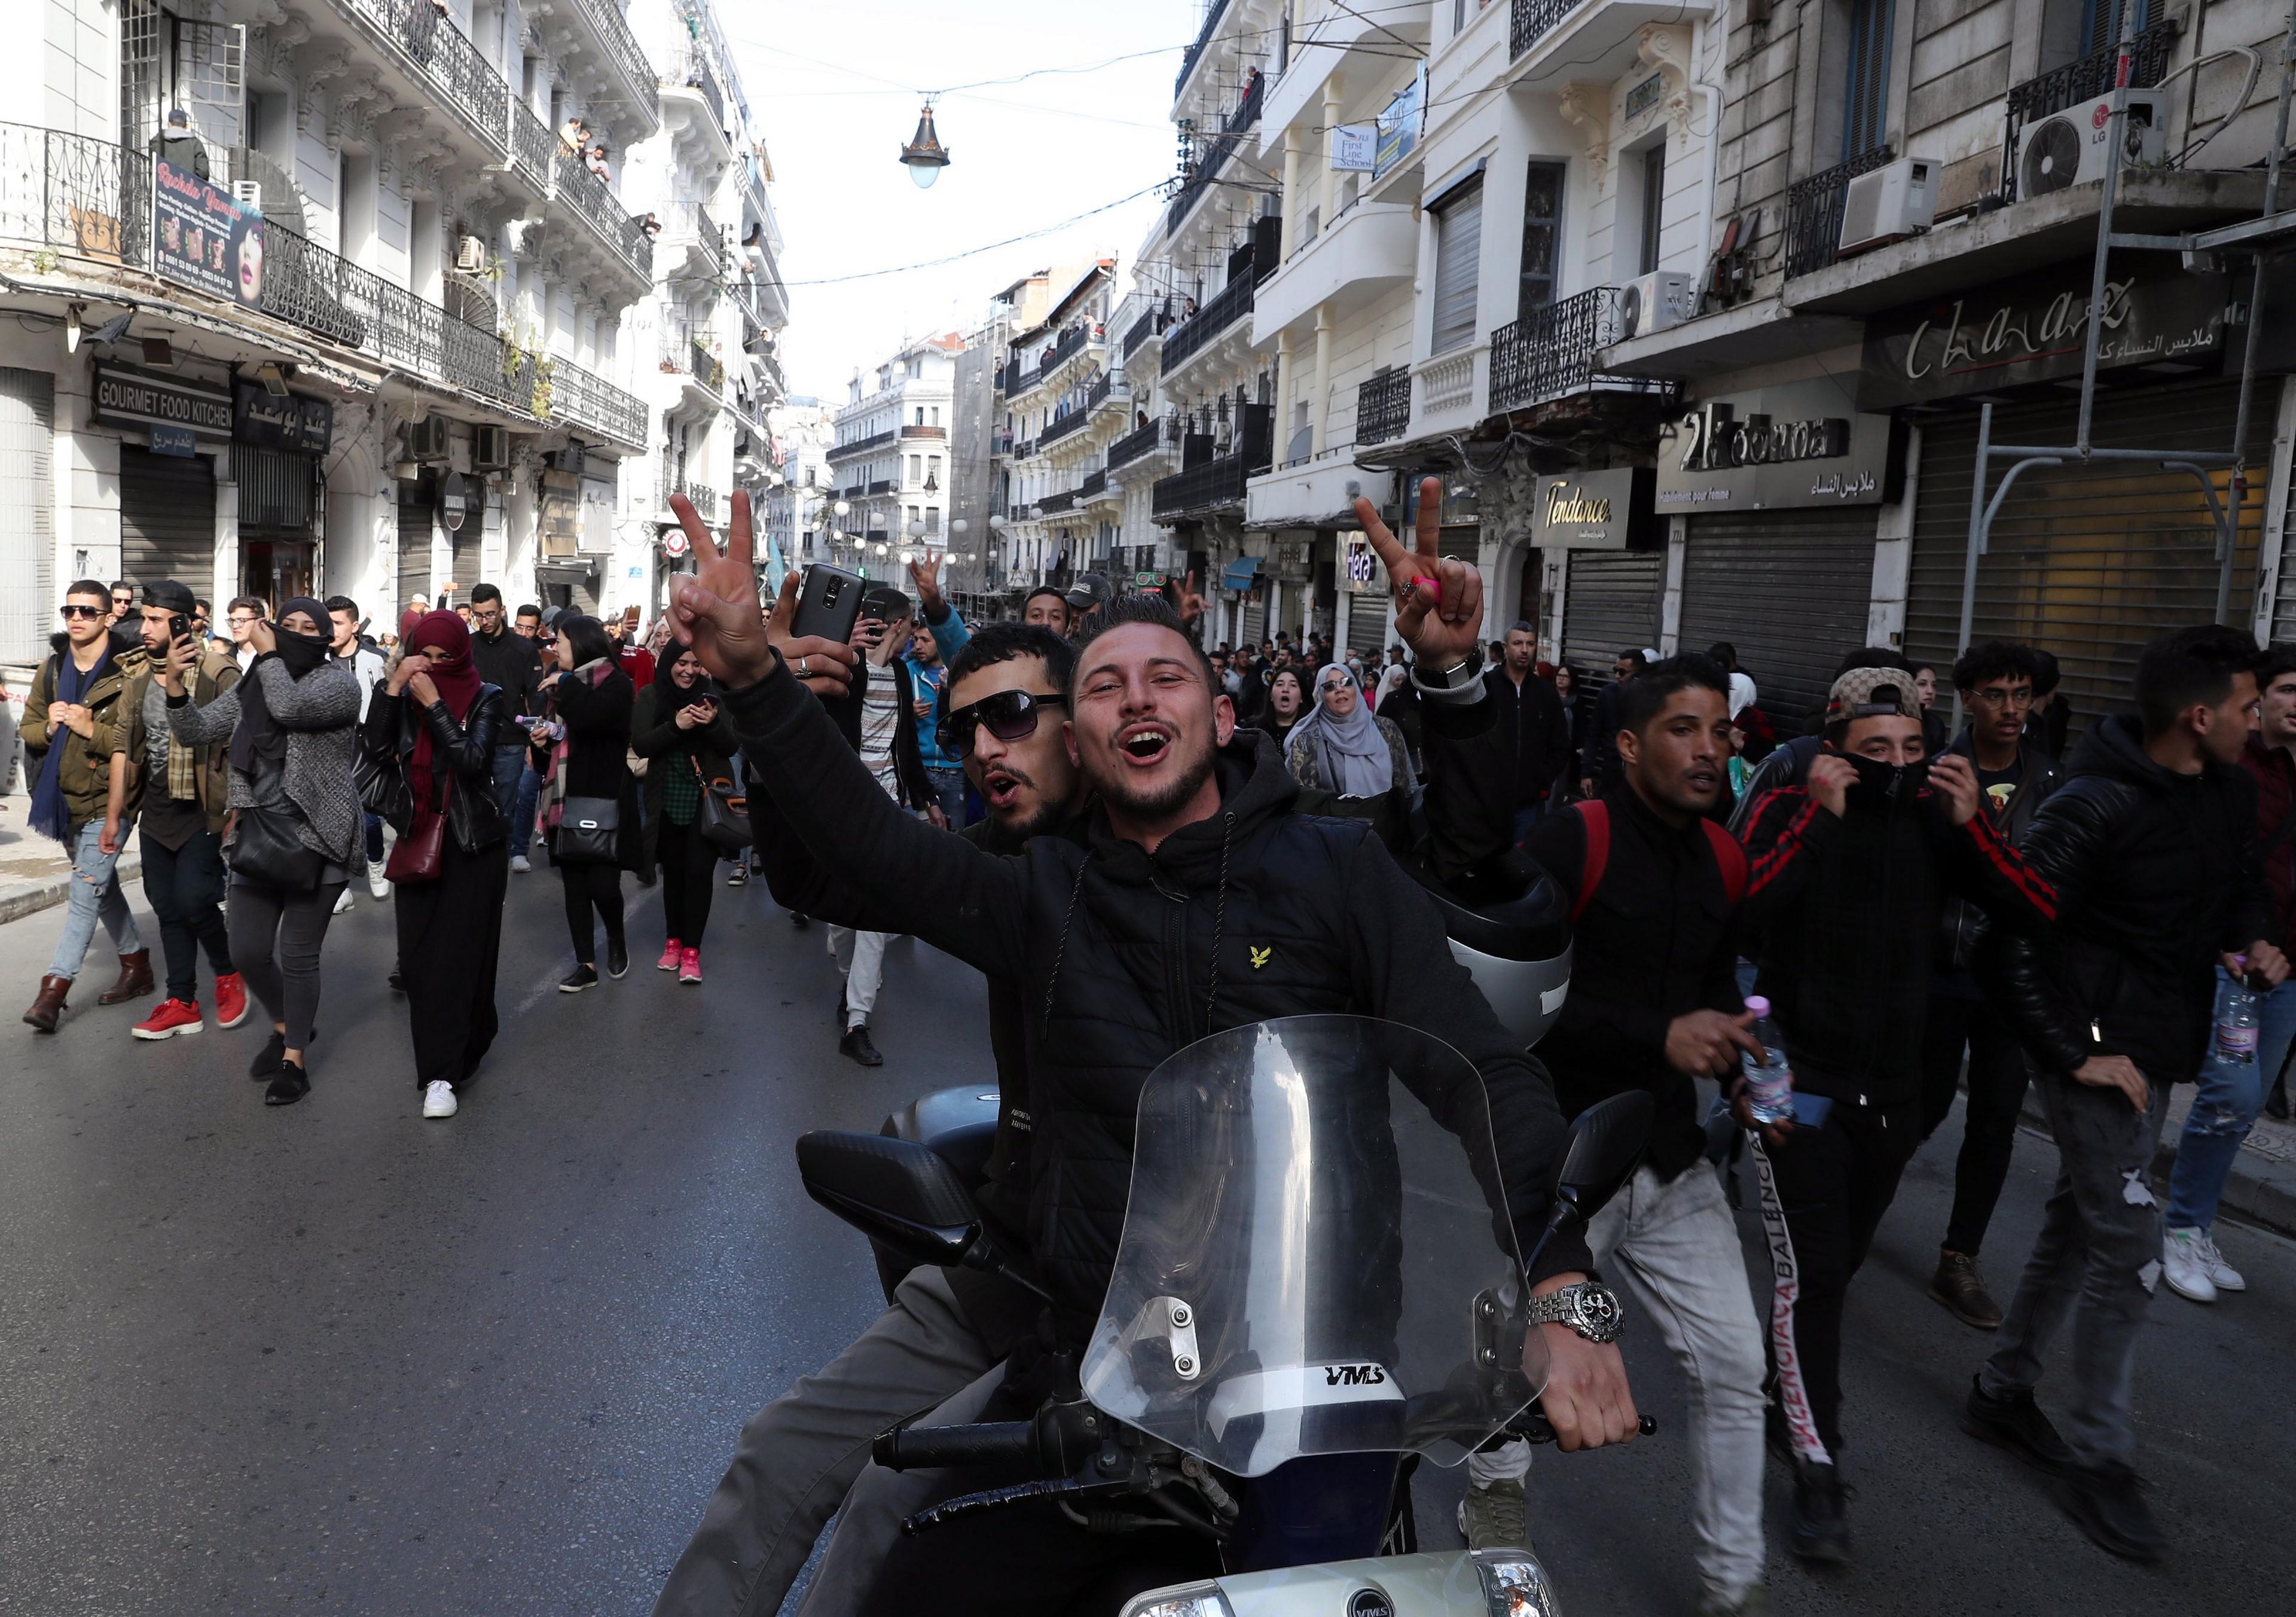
[1882, 786]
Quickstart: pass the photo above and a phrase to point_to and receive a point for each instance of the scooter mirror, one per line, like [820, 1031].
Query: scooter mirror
[1606, 1141]
[896, 1191]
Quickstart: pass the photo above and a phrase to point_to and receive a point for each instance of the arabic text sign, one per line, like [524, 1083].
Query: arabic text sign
[205, 237]
[291, 422]
[1795, 444]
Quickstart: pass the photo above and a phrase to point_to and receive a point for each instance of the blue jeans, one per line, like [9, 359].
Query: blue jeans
[510, 771]
[948, 791]
[95, 896]
[374, 839]
[529, 799]
[2223, 1110]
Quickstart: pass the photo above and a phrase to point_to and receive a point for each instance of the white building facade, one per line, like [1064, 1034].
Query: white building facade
[889, 458]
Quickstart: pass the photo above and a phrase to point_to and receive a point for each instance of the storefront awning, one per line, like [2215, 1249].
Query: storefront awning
[1241, 573]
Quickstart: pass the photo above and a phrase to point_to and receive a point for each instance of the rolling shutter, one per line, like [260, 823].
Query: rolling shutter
[1790, 590]
[466, 544]
[1458, 253]
[1610, 602]
[166, 518]
[414, 524]
[27, 498]
[2088, 564]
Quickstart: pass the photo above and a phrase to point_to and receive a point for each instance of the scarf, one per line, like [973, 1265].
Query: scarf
[458, 684]
[1353, 754]
[258, 733]
[50, 814]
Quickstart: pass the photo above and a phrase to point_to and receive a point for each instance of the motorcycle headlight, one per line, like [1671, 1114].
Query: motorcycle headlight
[1183, 1600]
[1515, 1585]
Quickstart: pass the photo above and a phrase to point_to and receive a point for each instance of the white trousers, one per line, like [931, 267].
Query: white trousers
[861, 957]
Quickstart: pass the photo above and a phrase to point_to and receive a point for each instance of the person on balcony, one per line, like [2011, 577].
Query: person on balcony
[178, 145]
[574, 134]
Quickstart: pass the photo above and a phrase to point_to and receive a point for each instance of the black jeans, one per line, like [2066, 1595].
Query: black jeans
[275, 936]
[592, 888]
[1997, 1078]
[184, 886]
[689, 873]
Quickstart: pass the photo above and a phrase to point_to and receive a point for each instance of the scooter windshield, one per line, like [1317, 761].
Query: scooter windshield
[1317, 1257]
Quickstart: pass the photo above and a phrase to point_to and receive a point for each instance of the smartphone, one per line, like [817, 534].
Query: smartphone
[830, 604]
[178, 627]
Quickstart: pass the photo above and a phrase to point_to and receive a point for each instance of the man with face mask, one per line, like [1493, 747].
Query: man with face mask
[1847, 878]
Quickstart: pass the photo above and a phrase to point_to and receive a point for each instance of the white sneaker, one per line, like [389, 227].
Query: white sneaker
[2226, 1277]
[376, 887]
[343, 901]
[2182, 1266]
[439, 1099]
[519, 863]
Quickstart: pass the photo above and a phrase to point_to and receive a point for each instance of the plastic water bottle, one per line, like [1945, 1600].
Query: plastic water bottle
[2236, 1025]
[1769, 1080]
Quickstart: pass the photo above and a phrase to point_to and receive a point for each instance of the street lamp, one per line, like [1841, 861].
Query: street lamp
[924, 156]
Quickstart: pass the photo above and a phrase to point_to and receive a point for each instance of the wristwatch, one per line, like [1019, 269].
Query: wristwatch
[1461, 682]
[1590, 1307]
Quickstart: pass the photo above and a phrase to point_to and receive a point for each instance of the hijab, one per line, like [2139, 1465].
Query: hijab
[259, 735]
[1354, 755]
[458, 684]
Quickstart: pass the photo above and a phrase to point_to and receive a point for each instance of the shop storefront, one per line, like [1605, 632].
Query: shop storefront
[418, 515]
[168, 481]
[1614, 567]
[28, 544]
[279, 445]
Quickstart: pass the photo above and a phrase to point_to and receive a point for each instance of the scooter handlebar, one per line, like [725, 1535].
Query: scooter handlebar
[931, 1448]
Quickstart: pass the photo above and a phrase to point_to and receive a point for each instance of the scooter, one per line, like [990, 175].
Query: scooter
[1316, 1288]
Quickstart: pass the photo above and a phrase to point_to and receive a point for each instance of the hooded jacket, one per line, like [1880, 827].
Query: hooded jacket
[2155, 873]
[1845, 914]
[1122, 957]
[85, 764]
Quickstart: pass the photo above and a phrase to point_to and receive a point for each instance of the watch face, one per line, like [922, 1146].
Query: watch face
[1598, 1312]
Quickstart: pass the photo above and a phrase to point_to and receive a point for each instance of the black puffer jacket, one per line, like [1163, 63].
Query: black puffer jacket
[2156, 873]
[1962, 925]
[1123, 957]
[464, 750]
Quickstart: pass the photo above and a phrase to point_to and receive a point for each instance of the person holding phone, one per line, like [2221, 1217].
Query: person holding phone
[940, 636]
[678, 728]
[590, 703]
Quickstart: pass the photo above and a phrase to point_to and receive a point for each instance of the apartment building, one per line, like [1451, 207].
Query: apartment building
[1063, 405]
[889, 460]
[794, 510]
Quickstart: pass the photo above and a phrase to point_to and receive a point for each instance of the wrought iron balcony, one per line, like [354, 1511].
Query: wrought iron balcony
[590, 196]
[1195, 51]
[861, 445]
[443, 56]
[1101, 391]
[1182, 343]
[692, 219]
[1814, 211]
[1533, 21]
[1215, 482]
[692, 70]
[621, 49]
[1143, 440]
[1550, 355]
[1383, 407]
[1238, 121]
[1095, 483]
[704, 497]
[2088, 79]
[1148, 326]
[883, 485]
[1054, 505]
[1061, 427]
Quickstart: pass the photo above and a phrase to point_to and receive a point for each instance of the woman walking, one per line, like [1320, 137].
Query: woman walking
[678, 728]
[591, 698]
[1342, 748]
[432, 729]
[292, 722]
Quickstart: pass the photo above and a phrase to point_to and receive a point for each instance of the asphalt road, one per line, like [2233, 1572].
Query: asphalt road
[337, 1358]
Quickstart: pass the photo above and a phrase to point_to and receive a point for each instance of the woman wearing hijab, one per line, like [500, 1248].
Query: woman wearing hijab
[433, 728]
[591, 698]
[293, 723]
[678, 726]
[1341, 748]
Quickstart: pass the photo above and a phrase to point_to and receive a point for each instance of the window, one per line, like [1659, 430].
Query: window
[916, 369]
[2101, 22]
[1542, 236]
[932, 469]
[1459, 248]
[1865, 86]
[914, 473]
[936, 416]
[920, 415]
[1654, 205]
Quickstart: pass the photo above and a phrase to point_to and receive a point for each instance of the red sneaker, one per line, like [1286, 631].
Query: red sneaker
[669, 961]
[231, 999]
[689, 965]
[174, 1016]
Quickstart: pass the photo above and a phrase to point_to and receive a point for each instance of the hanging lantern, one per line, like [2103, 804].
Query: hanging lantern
[924, 156]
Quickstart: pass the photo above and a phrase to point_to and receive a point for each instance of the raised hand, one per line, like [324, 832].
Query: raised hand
[1438, 599]
[715, 608]
[925, 573]
[424, 691]
[1191, 606]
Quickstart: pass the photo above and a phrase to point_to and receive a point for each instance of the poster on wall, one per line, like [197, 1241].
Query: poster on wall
[204, 237]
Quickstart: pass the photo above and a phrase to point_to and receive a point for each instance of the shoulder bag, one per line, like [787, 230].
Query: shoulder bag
[724, 821]
[419, 855]
[264, 848]
[590, 831]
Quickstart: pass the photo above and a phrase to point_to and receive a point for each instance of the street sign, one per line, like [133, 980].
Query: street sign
[674, 543]
[453, 504]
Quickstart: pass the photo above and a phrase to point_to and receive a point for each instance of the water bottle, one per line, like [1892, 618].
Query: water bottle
[2236, 1023]
[1769, 1080]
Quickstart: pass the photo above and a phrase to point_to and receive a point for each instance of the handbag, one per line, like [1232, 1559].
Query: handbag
[590, 831]
[264, 848]
[419, 853]
[724, 821]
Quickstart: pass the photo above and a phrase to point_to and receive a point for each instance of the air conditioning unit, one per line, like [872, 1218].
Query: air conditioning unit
[426, 439]
[1657, 302]
[2067, 149]
[1895, 201]
[248, 194]
[470, 255]
[492, 450]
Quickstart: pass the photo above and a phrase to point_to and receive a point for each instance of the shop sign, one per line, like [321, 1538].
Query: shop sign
[1398, 124]
[454, 502]
[1150, 580]
[174, 440]
[2035, 328]
[292, 422]
[1595, 510]
[136, 398]
[205, 237]
[1354, 148]
[1796, 444]
[1360, 571]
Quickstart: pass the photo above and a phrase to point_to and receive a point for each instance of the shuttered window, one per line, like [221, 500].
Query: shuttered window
[28, 528]
[1790, 590]
[1610, 602]
[1542, 235]
[167, 518]
[414, 524]
[1458, 249]
[1866, 80]
[2101, 22]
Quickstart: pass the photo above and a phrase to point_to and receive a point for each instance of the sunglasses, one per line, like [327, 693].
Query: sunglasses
[1010, 716]
[70, 610]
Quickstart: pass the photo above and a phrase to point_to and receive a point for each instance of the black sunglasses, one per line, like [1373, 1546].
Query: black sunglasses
[1010, 716]
[72, 610]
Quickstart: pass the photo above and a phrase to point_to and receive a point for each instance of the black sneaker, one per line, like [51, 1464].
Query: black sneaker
[291, 1085]
[2014, 1422]
[582, 977]
[1820, 1527]
[269, 1059]
[2107, 1503]
[617, 958]
[855, 1044]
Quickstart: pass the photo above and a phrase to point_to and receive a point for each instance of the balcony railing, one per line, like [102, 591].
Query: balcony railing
[532, 145]
[1053, 504]
[1550, 355]
[861, 445]
[1215, 482]
[1101, 391]
[1233, 303]
[1148, 326]
[692, 219]
[1814, 211]
[621, 49]
[883, 485]
[589, 196]
[692, 71]
[2088, 79]
[704, 497]
[1217, 149]
[1383, 407]
[1204, 38]
[1143, 440]
[1095, 483]
[1533, 21]
[1061, 427]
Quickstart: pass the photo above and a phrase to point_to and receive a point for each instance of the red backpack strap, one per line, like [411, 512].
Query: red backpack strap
[1730, 854]
[1595, 815]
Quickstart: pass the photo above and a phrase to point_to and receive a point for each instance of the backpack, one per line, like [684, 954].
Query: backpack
[1729, 854]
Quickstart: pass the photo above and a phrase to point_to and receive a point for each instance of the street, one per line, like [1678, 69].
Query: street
[334, 1358]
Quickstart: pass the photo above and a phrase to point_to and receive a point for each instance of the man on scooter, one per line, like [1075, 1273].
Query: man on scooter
[1198, 899]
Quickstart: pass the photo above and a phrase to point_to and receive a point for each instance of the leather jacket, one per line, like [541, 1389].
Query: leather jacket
[1960, 923]
[466, 750]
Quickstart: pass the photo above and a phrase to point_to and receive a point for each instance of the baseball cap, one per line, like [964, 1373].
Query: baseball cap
[168, 593]
[1872, 694]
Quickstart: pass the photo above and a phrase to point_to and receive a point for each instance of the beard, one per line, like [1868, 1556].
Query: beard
[1153, 803]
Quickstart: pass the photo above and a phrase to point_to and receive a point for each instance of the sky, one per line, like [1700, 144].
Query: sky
[835, 89]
